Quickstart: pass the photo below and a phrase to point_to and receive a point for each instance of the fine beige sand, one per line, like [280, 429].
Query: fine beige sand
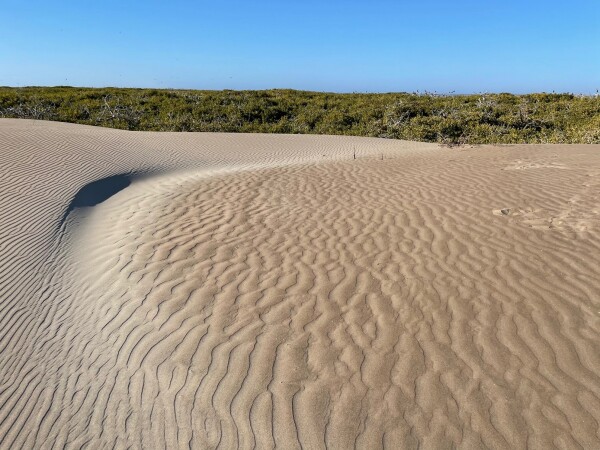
[260, 291]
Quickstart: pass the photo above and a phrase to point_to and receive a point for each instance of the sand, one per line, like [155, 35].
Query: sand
[259, 291]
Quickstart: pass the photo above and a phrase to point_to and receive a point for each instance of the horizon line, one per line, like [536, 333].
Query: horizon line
[416, 92]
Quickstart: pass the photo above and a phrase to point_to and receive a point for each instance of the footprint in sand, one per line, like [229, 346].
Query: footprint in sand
[525, 165]
[502, 212]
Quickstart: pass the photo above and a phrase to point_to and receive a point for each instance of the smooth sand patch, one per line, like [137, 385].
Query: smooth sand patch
[267, 290]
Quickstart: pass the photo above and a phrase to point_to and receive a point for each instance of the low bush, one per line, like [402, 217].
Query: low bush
[451, 120]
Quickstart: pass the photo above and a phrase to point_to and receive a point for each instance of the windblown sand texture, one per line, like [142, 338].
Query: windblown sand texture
[259, 291]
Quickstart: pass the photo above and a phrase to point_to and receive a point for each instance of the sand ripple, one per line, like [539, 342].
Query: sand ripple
[267, 296]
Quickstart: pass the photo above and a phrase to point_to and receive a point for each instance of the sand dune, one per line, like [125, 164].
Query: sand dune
[259, 291]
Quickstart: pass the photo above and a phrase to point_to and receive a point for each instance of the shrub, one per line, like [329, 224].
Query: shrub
[451, 120]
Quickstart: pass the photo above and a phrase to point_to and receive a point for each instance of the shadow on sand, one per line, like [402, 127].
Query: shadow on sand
[96, 192]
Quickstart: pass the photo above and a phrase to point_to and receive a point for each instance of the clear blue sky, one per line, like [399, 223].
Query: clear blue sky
[342, 46]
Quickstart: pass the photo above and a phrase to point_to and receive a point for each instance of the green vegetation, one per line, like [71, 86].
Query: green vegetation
[468, 119]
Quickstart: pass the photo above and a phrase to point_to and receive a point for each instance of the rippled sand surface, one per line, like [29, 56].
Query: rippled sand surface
[200, 290]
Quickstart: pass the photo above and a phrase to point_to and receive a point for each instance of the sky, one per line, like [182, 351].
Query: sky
[461, 46]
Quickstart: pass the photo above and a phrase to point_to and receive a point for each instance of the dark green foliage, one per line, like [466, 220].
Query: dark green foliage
[469, 119]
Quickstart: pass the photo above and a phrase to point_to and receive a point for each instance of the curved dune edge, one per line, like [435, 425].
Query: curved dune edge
[433, 298]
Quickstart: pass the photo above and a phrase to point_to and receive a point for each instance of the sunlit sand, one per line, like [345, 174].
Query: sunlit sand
[201, 290]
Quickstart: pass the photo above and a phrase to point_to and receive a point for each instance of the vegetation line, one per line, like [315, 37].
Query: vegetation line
[451, 120]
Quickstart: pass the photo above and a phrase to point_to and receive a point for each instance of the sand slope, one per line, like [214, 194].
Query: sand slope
[270, 291]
